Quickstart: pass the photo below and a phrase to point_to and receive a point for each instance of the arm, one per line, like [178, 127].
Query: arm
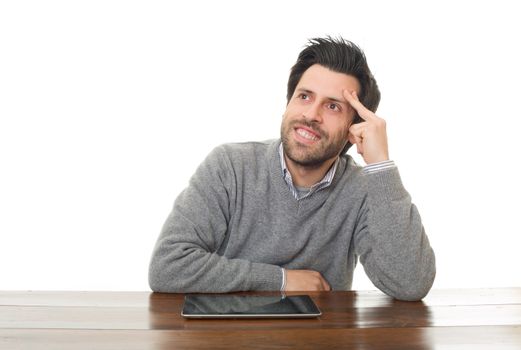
[185, 257]
[390, 238]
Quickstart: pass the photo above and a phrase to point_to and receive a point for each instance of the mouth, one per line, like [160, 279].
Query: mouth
[306, 135]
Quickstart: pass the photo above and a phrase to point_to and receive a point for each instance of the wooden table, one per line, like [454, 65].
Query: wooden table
[446, 319]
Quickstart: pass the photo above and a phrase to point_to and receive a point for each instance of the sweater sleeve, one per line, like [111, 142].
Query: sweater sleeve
[185, 257]
[391, 241]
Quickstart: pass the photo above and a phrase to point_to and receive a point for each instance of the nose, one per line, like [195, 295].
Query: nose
[313, 113]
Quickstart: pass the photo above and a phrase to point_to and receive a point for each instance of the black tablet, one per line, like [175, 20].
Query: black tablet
[248, 306]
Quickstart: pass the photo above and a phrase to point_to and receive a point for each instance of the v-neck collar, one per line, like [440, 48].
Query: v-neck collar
[284, 193]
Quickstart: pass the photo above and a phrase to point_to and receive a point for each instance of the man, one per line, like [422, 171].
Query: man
[295, 214]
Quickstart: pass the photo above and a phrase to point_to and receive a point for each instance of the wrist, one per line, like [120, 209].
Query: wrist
[380, 166]
[377, 159]
[284, 280]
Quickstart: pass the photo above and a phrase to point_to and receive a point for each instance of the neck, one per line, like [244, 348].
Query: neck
[306, 176]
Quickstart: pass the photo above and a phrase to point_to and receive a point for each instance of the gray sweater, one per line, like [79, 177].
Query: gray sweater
[237, 224]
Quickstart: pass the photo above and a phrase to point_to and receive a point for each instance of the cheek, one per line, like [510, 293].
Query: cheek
[286, 117]
[289, 111]
[290, 115]
[285, 122]
[342, 129]
[294, 109]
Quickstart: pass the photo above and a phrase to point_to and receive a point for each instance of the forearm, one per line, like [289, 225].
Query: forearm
[181, 264]
[393, 246]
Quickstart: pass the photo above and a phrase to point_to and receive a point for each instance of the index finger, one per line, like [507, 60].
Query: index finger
[353, 100]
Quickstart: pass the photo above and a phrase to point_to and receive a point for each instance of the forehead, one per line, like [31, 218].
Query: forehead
[324, 81]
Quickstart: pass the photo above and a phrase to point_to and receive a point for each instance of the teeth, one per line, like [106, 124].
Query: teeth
[307, 135]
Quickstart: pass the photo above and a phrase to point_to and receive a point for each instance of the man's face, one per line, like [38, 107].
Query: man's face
[317, 118]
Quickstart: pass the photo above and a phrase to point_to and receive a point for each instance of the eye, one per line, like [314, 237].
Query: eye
[303, 96]
[333, 107]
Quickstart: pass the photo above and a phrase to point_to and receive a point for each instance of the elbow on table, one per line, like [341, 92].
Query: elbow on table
[162, 285]
[417, 289]
[155, 281]
[162, 282]
[412, 294]
[418, 280]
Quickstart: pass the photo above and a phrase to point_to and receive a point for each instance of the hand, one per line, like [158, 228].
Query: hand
[305, 280]
[370, 136]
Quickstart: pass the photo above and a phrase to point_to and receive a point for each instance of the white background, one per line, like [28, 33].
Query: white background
[107, 108]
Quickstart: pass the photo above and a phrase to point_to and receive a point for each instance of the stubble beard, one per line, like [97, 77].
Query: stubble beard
[311, 156]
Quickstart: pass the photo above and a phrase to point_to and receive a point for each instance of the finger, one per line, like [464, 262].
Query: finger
[356, 140]
[325, 285]
[351, 138]
[358, 129]
[362, 110]
[359, 145]
[360, 148]
[353, 100]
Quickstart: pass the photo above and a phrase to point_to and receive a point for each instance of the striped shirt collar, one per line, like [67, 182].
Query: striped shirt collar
[298, 193]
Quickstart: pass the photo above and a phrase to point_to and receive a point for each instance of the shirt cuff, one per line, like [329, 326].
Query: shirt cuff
[380, 166]
[283, 280]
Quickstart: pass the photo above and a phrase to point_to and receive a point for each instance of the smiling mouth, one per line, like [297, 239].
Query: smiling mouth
[307, 134]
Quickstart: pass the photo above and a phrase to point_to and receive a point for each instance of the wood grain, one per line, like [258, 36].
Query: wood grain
[438, 338]
[446, 319]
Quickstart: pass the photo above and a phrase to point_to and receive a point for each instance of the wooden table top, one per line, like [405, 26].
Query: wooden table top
[445, 319]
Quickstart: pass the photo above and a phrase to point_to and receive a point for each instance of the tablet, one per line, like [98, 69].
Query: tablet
[249, 306]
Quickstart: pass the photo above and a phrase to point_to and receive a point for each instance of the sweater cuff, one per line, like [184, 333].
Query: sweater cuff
[283, 287]
[386, 185]
[265, 277]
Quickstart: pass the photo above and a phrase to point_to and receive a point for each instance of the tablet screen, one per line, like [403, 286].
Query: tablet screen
[253, 306]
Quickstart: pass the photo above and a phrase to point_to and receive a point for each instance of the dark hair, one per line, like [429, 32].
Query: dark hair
[342, 56]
